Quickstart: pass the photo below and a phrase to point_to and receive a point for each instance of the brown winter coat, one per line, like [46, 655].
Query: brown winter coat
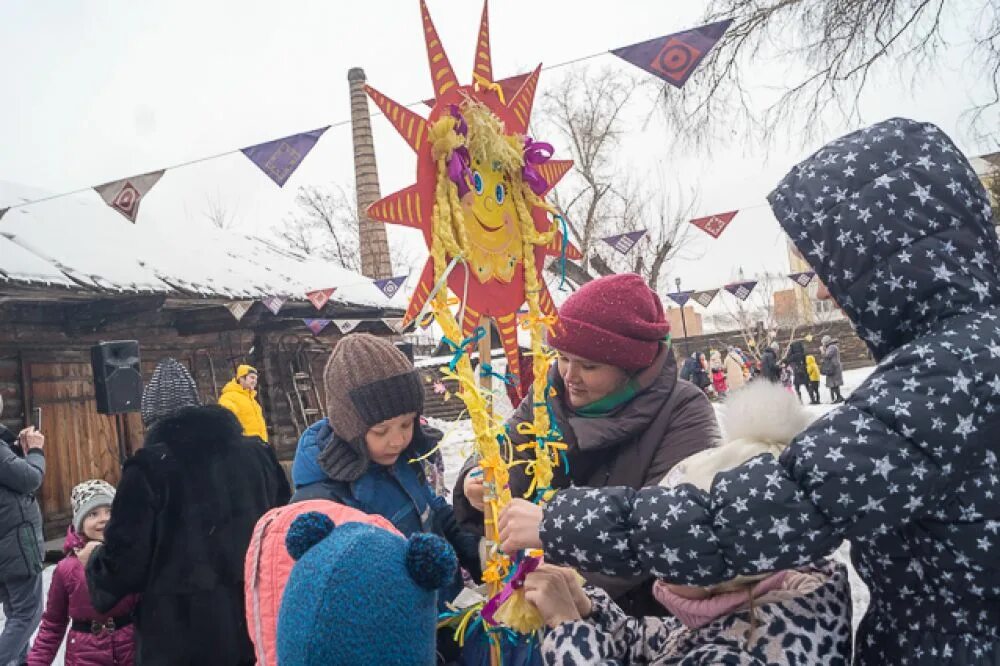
[635, 446]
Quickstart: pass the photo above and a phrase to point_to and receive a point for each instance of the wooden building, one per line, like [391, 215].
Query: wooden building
[74, 273]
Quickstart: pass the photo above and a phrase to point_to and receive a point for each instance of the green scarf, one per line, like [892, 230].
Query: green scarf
[609, 403]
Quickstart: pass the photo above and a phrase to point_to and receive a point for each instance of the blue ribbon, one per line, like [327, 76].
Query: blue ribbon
[459, 349]
[486, 370]
[562, 253]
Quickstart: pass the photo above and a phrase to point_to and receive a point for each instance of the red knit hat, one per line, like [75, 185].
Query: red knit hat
[617, 320]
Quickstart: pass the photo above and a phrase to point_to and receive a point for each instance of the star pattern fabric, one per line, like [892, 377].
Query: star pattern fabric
[894, 221]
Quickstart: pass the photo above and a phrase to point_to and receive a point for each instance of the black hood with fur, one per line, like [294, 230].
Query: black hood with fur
[196, 430]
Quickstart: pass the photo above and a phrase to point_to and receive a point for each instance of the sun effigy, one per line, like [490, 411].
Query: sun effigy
[479, 201]
[476, 141]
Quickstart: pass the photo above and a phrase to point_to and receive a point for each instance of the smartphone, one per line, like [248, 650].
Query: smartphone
[36, 418]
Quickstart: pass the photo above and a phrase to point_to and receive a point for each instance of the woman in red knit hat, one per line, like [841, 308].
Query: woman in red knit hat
[626, 417]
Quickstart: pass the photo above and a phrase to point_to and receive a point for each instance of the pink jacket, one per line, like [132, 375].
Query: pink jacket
[69, 601]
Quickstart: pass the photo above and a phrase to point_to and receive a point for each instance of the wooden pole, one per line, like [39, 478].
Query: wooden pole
[486, 385]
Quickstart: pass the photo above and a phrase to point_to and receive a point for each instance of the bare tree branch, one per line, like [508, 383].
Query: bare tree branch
[325, 225]
[830, 49]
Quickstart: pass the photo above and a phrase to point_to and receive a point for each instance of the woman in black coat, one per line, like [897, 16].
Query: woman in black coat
[180, 527]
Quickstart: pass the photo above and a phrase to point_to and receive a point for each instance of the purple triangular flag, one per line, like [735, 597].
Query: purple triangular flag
[316, 325]
[674, 57]
[281, 157]
[273, 303]
[390, 286]
[624, 242]
[802, 279]
[741, 290]
[705, 298]
[680, 297]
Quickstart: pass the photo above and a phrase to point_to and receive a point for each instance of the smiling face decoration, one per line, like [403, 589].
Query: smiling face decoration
[491, 224]
[473, 157]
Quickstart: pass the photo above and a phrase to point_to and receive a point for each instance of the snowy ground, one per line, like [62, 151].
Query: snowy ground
[456, 448]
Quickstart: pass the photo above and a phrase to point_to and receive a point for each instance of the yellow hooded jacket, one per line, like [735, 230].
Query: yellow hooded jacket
[812, 368]
[243, 403]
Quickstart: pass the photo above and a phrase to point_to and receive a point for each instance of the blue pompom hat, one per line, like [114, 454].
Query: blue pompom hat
[360, 595]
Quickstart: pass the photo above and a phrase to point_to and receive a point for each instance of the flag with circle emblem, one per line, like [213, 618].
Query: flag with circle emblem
[674, 57]
[126, 194]
[390, 286]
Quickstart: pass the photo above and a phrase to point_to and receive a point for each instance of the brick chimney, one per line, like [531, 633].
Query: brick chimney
[375, 262]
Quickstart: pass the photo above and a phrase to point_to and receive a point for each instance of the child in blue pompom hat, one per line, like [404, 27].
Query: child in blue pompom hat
[359, 594]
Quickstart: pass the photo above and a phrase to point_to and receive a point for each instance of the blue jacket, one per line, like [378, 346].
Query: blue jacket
[305, 467]
[896, 224]
[399, 493]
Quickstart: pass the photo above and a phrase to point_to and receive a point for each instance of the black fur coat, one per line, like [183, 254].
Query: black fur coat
[181, 523]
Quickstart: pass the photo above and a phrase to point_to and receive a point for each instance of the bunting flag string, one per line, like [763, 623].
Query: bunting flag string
[674, 57]
[680, 297]
[714, 225]
[239, 309]
[390, 286]
[273, 303]
[316, 325]
[3, 211]
[741, 290]
[705, 298]
[624, 243]
[320, 297]
[126, 194]
[802, 279]
[280, 158]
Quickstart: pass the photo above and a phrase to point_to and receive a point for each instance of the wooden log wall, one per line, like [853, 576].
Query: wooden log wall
[54, 339]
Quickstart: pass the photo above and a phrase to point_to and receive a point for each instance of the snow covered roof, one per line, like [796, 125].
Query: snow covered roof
[79, 242]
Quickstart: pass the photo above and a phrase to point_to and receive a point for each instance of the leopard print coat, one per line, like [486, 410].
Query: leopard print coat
[814, 628]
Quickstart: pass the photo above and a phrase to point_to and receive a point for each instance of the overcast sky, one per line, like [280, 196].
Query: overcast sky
[99, 90]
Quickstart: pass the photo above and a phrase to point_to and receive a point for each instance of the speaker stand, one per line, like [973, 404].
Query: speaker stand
[120, 431]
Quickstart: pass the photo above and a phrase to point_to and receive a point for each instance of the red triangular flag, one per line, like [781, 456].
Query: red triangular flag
[320, 297]
[714, 225]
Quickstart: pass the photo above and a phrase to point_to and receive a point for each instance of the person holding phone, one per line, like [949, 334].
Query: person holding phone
[22, 469]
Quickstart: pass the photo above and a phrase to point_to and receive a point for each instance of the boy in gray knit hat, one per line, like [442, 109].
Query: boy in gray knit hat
[372, 442]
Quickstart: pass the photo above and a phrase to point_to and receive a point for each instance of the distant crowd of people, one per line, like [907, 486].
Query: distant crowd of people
[718, 375]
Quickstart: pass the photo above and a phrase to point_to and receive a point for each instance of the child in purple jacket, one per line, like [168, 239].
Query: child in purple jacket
[95, 639]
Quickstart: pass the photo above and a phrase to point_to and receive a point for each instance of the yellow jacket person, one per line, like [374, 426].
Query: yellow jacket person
[240, 397]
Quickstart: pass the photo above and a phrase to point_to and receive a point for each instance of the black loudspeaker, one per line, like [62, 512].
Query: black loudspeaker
[117, 376]
[406, 348]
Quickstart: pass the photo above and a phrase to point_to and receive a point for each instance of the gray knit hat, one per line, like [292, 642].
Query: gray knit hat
[87, 496]
[368, 380]
[170, 389]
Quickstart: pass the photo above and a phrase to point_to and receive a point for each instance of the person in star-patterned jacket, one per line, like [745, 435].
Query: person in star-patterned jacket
[898, 227]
